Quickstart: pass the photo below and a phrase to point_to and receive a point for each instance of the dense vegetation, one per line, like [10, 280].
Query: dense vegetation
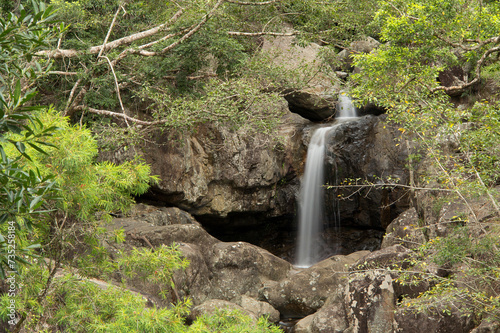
[75, 70]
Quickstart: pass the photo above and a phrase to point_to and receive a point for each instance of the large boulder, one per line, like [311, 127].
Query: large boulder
[312, 105]
[259, 308]
[241, 269]
[306, 290]
[443, 322]
[488, 325]
[406, 230]
[217, 270]
[253, 308]
[213, 306]
[365, 45]
[317, 101]
[331, 318]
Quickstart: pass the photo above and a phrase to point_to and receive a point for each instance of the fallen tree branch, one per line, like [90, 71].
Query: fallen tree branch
[175, 44]
[118, 116]
[263, 33]
[246, 3]
[62, 73]
[71, 53]
[117, 87]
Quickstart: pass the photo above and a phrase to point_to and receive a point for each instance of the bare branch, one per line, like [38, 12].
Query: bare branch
[141, 35]
[70, 98]
[191, 32]
[58, 53]
[117, 87]
[479, 43]
[411, 187]
[109, 32]
[246, 3]
[118, 116]
[193, 77]
[479, 64]
[263, 33]
[62, 73]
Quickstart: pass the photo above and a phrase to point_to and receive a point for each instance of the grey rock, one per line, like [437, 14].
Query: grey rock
[259, 308]
[213, 306]
[241, 269]
[306, 290]
[410, 322]
[370, 303]
[406, 230]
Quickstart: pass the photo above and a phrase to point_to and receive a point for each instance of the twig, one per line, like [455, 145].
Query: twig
[117, 87]
[109, 32]
[119, 116]
[68, 103]
[262, 33]
[245, 3]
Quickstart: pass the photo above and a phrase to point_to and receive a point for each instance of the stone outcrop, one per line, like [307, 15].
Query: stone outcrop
[228, 177]
[409, 322]
[310, 105]
[371, 303]
[331, 318]
[241, 269]
[406, 229]
[342, 294]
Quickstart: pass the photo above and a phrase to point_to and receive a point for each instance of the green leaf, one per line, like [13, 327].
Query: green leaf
[37, 148]
[35, 203]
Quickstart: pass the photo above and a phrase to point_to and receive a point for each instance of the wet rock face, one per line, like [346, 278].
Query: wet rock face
[364, 151]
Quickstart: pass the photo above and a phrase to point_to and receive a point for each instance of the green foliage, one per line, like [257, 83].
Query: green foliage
[156, 266]
[472, 280]
[173, 85]
[87, 188]
[74, 304]
[424, 37]
[22, 192]
[32, 278]
[459, 145]
[91, 308]
[331, 22]
[233, 103]
[231, 322]
[402, 73]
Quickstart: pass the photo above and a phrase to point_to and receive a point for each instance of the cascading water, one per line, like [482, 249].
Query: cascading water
[311, 201]
[345, 108]
[311, 210]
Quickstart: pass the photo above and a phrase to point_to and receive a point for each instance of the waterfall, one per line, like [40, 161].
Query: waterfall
[311, 210]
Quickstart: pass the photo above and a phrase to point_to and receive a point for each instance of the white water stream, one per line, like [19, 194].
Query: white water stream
[311, 210]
